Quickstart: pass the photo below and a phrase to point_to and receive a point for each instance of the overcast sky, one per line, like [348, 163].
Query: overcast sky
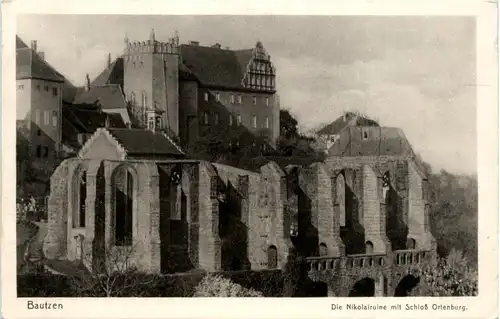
[415, 73]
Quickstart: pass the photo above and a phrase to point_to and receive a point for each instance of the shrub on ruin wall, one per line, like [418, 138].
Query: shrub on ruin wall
[449, 276]
[268, 282]
[219, 286]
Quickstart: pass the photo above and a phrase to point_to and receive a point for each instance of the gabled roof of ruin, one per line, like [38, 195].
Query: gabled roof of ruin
[29, 65]
[113, 74]
[109, 96]
[145, 142]
[215, 66]
[348, 119]
[133, 143]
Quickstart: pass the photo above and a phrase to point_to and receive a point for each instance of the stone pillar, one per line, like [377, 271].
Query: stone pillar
[418, 211]
[193, 213]
[374, 219]
[209, 240]
[88, 238]
[108, 204]
[281, 237]
[154, 218]
[54, 244]
[328, 219]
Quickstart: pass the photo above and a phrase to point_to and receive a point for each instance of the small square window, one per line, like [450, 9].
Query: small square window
[232, 99]
[46, 88]
[240, 99]
[20, 87]
[254, 100]
[54, 91]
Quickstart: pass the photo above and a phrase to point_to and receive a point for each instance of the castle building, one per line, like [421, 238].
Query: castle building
[39, 102]
[183, 89]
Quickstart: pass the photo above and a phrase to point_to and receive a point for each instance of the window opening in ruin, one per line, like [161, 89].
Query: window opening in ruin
[341, 195]
[79, 215]
[272, 257]
[123, 208]
[369, 247]
[323, 249]
[410, 243]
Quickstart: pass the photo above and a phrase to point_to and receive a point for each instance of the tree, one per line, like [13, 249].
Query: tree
[112, 276]
[218, 286]
[448, 276]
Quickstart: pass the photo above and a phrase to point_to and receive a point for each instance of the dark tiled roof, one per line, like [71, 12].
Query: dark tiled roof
[107, 96]
[29, 65]
[144, 142]
[111, 75]
[89, 117]
[350, 119]
[20, 43]
[216, 67]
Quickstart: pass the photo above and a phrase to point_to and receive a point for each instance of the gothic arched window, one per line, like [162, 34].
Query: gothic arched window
[123, 191]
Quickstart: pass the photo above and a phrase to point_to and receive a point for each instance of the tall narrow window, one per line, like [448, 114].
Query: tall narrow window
[54, 91]
[267, 101]
[206, 96]
[254, 121]
[46, 117]
[216, 118]
[81, 197]
[238, 120]
[340, 187]
[266, 123]
[37, 117]
[205, 118]
[144, 100]
[230, 120]
[123, 186]
[54, 118]
[254, 100]
[232, 98]
[217, 96]
[240, 99]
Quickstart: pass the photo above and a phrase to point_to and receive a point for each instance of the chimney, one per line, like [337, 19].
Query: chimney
[109, 60]
[87, 82]
[194, 43]
[217, 45]
[41, 55]
[33, 45]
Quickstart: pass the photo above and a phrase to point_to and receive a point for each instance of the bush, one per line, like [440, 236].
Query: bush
[269, 282]
[219, 286]
[449, 276]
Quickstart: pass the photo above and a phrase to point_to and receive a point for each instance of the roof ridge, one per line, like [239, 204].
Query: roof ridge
[173, 143]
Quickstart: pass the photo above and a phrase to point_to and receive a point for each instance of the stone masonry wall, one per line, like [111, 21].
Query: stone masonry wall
[374, 221]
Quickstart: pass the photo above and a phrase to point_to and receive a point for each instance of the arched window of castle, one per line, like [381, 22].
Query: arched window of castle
[80, 199]
[123, 206]
[340, 199]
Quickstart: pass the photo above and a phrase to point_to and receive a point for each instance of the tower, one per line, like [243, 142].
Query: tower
[151, 80]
